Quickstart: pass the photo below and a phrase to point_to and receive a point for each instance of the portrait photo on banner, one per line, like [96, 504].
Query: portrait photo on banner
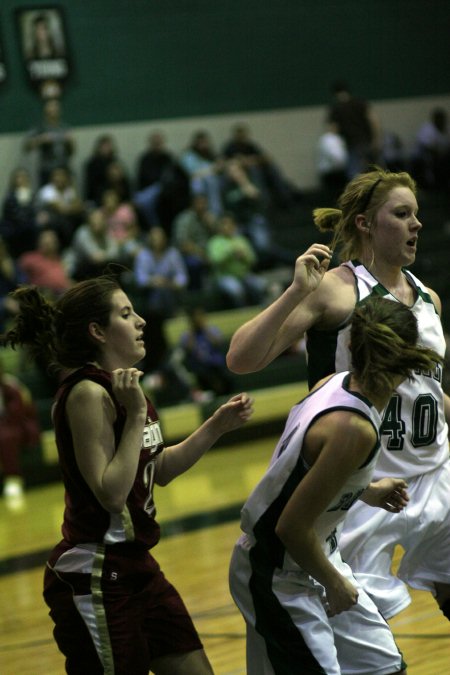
[44, 44]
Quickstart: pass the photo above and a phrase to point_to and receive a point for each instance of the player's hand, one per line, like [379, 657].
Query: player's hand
[234, 413]
[388, 493]
[127, 389]
[311, 266]
[341, 596]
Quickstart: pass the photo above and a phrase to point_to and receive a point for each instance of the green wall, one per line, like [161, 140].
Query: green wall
[151, 59]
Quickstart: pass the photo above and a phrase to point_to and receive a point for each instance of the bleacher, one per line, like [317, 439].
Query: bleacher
[282, 383]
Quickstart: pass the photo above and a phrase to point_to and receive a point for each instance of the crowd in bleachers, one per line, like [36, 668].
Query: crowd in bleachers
[194, 228]
[187, 229]
[104, 214]
[201, 229]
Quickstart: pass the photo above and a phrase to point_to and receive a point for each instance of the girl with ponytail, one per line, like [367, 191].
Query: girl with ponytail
[374, 232]
[287, 577]
[113, 609]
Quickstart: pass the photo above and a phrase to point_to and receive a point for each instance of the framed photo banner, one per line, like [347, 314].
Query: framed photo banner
[44, 44]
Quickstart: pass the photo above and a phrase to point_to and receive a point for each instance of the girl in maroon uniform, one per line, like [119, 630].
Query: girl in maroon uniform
[113, 609]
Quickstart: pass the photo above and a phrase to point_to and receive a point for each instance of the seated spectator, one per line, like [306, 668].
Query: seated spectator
[200, 357]
[59, 205]
[232, 259]
[204, 168]
[131, 244]
[95, 170]
[44, 266]
[18, 224]
[154, 162]
[117, 179]
[119, 215]
[192, 229]
[163, 186]
[161, 275]
[8, 282]
[19, 430]
[92, 248]
[261, 168]
[332, 162]
[431, 155]
[243, 200]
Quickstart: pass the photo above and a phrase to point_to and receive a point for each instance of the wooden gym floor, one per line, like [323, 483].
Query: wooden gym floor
[199, 516]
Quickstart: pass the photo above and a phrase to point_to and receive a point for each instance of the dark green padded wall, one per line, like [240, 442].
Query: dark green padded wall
[149, 59]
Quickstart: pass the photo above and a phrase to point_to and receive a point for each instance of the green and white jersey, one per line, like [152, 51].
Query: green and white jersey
[414, 431]
[287, 468]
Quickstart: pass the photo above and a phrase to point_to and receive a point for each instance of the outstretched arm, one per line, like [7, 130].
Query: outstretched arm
[177, 459]
[263, 338]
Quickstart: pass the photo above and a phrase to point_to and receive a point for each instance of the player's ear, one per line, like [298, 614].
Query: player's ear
[362, 223]
[96, 332]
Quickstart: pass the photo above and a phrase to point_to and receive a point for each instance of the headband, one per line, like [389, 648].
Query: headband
[369, 195]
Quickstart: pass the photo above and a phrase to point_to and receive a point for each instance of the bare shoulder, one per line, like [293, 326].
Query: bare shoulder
[87, 397]
[357, 426]
[342, 438]
[349, 431]
[436, 300]
[338, 297]
[349, 421]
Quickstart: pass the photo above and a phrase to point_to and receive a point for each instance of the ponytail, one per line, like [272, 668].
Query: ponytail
[57, 335]
[33, 325]
[329, 220]
[384, 337]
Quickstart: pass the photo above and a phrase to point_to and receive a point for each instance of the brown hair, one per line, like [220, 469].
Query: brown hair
[365, 193]
[384, 337]
[57, 333]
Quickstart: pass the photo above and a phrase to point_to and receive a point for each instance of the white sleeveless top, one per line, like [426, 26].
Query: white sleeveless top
[414, 433]
[287, 468]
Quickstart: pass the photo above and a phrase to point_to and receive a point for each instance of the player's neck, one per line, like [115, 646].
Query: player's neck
[378, 399]
[394, 280]
[386, 274]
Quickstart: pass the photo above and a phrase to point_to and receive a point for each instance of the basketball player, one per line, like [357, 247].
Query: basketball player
[376, 224]
[113, 609]
[304, 611]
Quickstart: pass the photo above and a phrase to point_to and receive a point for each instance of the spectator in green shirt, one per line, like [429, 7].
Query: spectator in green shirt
[232, 259]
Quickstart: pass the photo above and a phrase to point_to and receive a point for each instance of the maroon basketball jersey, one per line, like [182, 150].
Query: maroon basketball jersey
[85, 520]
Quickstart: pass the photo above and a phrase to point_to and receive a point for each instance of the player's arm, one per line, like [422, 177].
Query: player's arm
[447, 408]
[263, 338]
[437, 302]
[109, 471]
[344, 441]
[177, 459]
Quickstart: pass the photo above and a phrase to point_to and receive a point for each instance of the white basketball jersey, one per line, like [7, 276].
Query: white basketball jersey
[414, 434]
[264, 506]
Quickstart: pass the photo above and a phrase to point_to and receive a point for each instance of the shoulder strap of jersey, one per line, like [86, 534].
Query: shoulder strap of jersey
[420, 288]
